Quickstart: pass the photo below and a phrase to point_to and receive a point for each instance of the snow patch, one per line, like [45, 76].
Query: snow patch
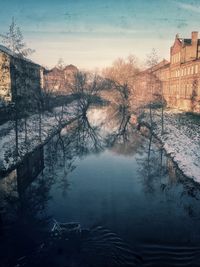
[181, 139]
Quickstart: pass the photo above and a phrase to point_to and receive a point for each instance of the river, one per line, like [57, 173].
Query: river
[100, 171]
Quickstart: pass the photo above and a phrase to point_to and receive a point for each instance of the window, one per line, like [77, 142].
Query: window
[181, 72]
[182, 91]
[178, 90]
[189, 90]
[192, 70]
[185, 91]
[196, 68]
[185, 71]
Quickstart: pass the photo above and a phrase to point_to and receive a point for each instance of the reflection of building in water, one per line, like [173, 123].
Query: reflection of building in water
[16, 182]
[29, 169]
[8, 185]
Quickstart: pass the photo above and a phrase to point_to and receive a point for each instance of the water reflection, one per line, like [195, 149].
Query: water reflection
[23, 202]
[20, 182]
[162, 176]
[99, 170]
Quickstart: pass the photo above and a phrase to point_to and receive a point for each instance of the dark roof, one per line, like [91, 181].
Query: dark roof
[12, 54]
[6, 50]
[162, 64]
[71, 67]
[187, 41]
[53, 71]
[58, 70]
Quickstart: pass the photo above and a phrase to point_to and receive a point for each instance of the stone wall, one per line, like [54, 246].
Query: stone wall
[60, 81]
[19, 77]
[25, 79]
[5, 79]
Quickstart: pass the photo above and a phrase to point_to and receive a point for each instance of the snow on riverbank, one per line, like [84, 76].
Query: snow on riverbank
[37, 134]
[181, 139]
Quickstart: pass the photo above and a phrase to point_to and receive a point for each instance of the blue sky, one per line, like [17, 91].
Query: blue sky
[92, 33]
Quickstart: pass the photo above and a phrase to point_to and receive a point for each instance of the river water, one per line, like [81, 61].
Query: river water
[100, 171]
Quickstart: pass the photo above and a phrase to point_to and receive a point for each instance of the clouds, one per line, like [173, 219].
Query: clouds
[189, 7]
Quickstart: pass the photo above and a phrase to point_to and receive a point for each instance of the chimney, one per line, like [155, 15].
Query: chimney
[194, 45]
[194, 37]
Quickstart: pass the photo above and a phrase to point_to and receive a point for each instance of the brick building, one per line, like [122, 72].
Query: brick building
[59, 81]
[18, 76]
[150, 83]
[180, 78]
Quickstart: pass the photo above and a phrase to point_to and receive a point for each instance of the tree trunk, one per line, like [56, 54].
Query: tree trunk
[16, 131]
[25, 130]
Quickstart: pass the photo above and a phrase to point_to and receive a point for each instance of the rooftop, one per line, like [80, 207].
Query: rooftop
[188, 41]
[15, 55]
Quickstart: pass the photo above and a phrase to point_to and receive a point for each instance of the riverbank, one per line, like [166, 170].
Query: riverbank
[35, 131]
[181, 139]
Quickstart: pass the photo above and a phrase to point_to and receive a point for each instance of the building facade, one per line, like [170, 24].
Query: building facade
[179, 79]
[150, 83]
[19, 77]
[183, 90]
[59, 81]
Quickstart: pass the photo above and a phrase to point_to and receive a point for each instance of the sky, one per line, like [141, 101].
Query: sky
[93, 33]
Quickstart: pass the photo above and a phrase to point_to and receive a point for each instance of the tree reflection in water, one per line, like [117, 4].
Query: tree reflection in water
[162, 176]
[24, 220]
[74, 141]
[26, 209]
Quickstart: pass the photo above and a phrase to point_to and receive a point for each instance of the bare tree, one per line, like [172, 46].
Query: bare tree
[194, 101]
[151, 61]
[61, 64]
[122, 70]
[14, 40]
[87, 87]
[122, 75]
[155, 85]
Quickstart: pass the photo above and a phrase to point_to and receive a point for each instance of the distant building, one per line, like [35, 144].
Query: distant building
[180, 78]
[184, 82]
[150, 82]
[18, 76]
[59, 81]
